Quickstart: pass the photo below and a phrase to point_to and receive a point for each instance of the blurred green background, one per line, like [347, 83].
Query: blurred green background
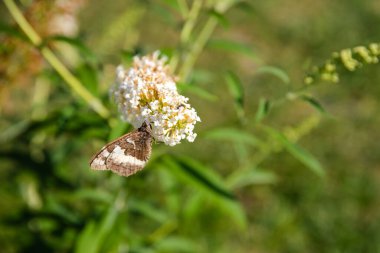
[288, 179]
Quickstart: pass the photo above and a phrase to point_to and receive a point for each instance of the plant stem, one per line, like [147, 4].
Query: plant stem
[184, 9]
[191, 20]
[53, 60]
[197, 48]
[190, 17]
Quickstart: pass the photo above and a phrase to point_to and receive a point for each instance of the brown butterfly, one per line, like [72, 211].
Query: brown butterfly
[126, 155]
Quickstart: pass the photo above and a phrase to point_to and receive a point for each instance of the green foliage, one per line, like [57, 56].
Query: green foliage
[268, 172]
[236, 90]
[298, 152]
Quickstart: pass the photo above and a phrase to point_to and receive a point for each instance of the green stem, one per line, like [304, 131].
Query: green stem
[191, 18]
[184, 9]
[53, 60]
[197, 48]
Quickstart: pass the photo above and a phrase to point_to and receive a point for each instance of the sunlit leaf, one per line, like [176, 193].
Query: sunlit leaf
[208, 182]
[275, 71]
[197, 203]
[244, 178]
[95, 195]
[148, 210]
[92, 238]
[198, 91]
[231, 134]
[314, 103]
[54, 206]
[262, 110]
[298, 152]
[14, 130]
[85, 239]
[177, 244]
[198, 175]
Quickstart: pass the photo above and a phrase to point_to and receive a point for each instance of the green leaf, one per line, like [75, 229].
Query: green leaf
[14, 131]
[231, 134]
[85, 241]
[198, 204]
[97, 196]
[209, 183]
[76, 43]
[236, 89]
[127, 57]
[232, 46]
[89, 77]
[92, 238]
[176, 244]
[262, 110]
[314, 103]
[220, 17]
[148, 210]
[13, 31]
[198, 91]
[244, 178]
[198, 175]
[298, 152]
[173, 4]
[275, 71]
[245, 5]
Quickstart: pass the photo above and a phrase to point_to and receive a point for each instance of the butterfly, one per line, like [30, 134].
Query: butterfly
[126, 155]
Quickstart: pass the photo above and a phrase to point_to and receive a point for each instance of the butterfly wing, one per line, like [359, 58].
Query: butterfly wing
[126, 155]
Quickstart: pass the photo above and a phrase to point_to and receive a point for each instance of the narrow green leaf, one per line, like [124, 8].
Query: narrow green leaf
[198, 91]
[236, 89]
[235, 211]
[298, 152]
[97, 196]
[89, 77]
[13, 31]
[173, 4]
[15, 130]
[275, 71]
[74, 42]
[197, 203]
[220, 17]
[198, 175]
[148, 210]
[176, 244]
[210, 183]
[245, 5]
[231, 134]
[314, 103]
[262, 110]
[85, 243]
[244, 178]
[232, 46]
[92, 238]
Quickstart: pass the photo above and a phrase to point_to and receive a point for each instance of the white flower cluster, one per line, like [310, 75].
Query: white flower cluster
[147, 92]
